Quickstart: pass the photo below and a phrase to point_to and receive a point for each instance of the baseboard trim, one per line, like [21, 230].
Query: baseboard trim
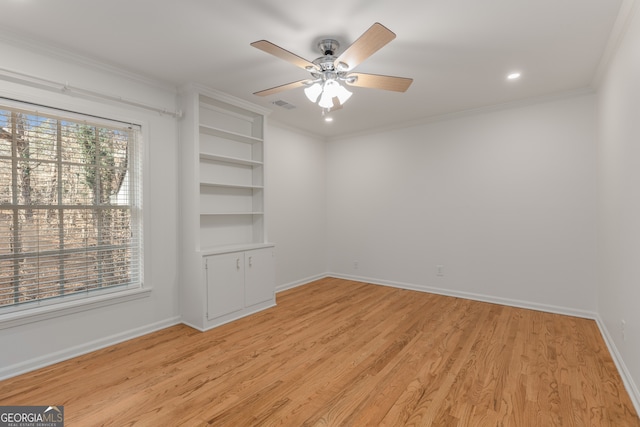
[232, 317]
[79, 350]
[473, 296]
[627, 379]
[300, 282]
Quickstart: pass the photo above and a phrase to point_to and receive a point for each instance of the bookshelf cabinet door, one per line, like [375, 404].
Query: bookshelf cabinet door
[259, 276]
[225, 283]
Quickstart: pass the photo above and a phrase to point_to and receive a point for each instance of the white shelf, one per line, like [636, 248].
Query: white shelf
[233, 248]
[213, 131]
[239, 186]
[229, 213]
[237, 108]
[227, 159]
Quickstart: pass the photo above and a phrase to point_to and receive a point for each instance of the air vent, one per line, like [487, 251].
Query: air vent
[284, 104]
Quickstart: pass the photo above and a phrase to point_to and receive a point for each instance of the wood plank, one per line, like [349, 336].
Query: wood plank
[338, 352]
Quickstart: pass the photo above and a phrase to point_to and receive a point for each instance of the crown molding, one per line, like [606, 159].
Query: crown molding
[627, 10]
[569, 94]
[58, 52]
[300, 131]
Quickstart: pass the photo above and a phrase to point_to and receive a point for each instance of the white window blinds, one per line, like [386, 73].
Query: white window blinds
[70, 208]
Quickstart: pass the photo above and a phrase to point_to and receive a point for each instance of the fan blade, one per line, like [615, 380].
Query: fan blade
[281, 88]
[281, 53]
[369, 43]
[375, 81]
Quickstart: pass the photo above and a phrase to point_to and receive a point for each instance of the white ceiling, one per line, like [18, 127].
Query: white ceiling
[457, 51]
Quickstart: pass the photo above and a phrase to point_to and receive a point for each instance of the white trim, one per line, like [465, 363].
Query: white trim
[24, 95]
[224, 97]
[627, 379]
[294, 129]
[79, 350]
[586, 314]
[567, 311]
[31, 315]
[620, 26]
[57, 52]
[234, 248]
[558, 96]
[232, 317]
[66, 88]
[300, 282]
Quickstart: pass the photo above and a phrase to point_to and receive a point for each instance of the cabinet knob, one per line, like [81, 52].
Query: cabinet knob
[237, 263]
[250, 261]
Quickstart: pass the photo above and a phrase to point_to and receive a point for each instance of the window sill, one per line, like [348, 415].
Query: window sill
[37, 314]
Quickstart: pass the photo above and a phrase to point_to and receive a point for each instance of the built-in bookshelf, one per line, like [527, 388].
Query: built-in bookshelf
[222, 195]
[231, 174]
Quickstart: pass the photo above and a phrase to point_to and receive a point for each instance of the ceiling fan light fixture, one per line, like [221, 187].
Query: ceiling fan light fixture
[326, 100]
[333, 89]
[313, 92]
[343, 94]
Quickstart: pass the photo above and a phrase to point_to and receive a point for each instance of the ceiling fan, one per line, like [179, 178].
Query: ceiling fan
[329, 70]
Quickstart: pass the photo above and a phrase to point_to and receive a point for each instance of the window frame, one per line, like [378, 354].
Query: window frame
[97, 113]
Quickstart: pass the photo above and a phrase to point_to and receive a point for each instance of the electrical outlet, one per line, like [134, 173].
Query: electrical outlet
[440, 270]
[355, 265]
[623, 326]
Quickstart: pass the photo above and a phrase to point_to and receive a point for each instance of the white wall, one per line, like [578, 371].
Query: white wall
[504, 200]
[296, 204]
[39, 343]
[619, 191]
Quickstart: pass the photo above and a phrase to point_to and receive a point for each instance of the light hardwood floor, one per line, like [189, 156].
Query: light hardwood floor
[337, 352]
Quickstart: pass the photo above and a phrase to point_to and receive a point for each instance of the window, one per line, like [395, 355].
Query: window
[70, 217]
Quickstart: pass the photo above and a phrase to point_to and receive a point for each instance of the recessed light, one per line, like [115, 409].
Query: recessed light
[328, 119]
[514, 76]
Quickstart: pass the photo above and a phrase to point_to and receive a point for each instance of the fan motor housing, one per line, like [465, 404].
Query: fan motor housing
[328, 46]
